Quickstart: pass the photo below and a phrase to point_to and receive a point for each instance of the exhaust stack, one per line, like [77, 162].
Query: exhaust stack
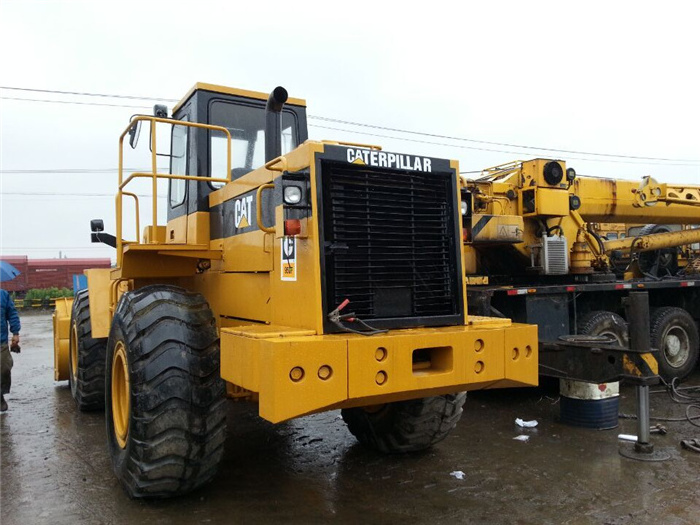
[273, 123]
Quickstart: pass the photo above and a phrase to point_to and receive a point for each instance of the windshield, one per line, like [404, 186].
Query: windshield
[247, 127]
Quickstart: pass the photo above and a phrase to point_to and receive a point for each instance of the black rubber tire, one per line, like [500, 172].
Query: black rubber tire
[601, 322]
[670, 318]
[177, 417]
[87, 386]
[406, 426]
[667, 258]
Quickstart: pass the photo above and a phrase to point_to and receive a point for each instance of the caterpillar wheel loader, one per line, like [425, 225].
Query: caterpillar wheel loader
[300, 275]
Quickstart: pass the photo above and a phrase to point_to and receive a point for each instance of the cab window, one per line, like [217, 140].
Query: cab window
[178, 163]
[247, 127]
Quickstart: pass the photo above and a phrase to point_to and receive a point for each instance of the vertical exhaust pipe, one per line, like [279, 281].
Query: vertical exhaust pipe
[273, 123]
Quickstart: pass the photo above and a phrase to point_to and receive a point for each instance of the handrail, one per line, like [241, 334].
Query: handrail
[136, 204]
[154, 175]
[272, 164]
[355, 144]
[258, 208]
[143, 174]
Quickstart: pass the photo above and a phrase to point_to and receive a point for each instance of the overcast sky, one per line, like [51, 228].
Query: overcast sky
[608, 77]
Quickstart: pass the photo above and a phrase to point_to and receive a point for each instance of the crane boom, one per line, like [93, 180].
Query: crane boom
[612, 200]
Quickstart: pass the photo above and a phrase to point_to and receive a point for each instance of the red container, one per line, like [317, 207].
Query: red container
[47, 273]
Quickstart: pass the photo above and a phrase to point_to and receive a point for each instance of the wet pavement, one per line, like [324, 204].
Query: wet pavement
[55, 467]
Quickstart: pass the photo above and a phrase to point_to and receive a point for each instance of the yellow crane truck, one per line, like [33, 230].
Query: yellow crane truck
[304, 276]
[533, 254]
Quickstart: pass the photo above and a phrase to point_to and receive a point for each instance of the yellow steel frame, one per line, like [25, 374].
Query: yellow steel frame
[650, 192]
[654, 241]
[154, 175]
[602, 200]
[296, 372]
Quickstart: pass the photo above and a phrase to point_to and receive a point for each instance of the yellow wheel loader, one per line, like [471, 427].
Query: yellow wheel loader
[303, 276]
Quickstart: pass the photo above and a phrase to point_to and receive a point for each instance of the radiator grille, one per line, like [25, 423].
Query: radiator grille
[390, 242]
[556, 255]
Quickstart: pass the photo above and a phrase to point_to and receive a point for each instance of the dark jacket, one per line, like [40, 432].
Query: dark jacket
[8, 315]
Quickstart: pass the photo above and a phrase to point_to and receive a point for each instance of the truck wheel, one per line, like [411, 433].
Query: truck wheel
[605, 323]
[675, 334]
[658, 262]
[405, 426]
[166, 412]
[86, 358]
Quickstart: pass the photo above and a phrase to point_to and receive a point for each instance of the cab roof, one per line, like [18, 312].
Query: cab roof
[232, 91]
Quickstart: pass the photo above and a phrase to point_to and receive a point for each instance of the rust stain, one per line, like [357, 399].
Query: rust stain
[609, 199]
[613, 206]
[630, 368]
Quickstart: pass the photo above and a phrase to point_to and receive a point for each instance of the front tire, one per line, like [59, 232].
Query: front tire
[405, 426]
[675, 334]
[86, 358]
[166, 412]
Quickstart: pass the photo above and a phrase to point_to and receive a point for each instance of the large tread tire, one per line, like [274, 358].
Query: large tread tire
[601, 322]
[406, 426]
[177, 413]
[675, 334]
[87, 379]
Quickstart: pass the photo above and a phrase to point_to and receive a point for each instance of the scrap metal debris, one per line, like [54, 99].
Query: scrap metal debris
[691, 444]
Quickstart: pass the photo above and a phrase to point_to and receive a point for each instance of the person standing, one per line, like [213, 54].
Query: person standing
[8, 316]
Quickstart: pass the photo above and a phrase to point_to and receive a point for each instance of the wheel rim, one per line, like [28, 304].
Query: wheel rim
[121, 403]
[74, 351]
[676, 346]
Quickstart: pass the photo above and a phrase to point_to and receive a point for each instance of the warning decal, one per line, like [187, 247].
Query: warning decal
[289, 258]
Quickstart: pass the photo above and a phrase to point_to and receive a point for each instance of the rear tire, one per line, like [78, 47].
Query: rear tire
[605, 323]
[86, 358]
[406, 426]
[166, 434]
[675, 334]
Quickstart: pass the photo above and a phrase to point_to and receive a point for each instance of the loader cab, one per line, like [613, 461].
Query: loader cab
[197, 151]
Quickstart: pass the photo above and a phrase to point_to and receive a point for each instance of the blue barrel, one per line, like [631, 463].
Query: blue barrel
[79, 282]
[601, 414]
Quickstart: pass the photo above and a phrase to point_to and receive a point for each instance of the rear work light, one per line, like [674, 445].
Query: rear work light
[292, 227]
